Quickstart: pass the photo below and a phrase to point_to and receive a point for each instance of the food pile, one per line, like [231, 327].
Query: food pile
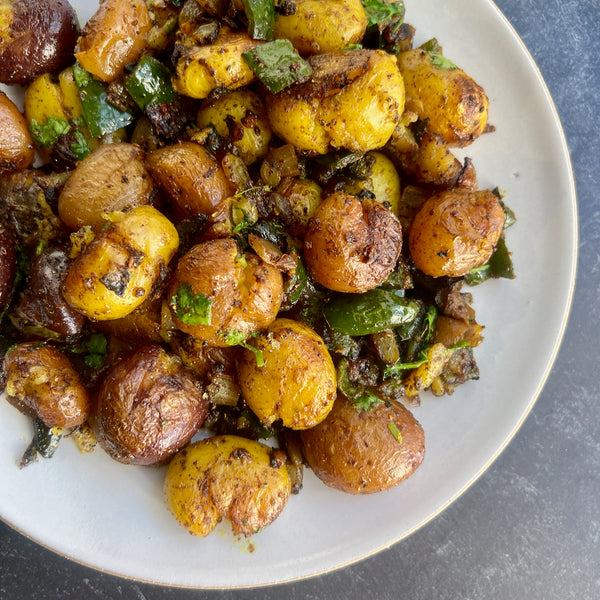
[246, 246]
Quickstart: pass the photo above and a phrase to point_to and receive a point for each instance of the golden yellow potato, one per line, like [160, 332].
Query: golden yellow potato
[242, 117]
[218, 65]
[319, 26]
[297, 382]
[226, 477]
[42, 379]
[352, 245]
[455, 231]
[117, 271]
[16, 145]
[114, 37]
[364, 451]
[353, 100]
[455, 106]
[190, 176]
[112, 178]
[240, 292]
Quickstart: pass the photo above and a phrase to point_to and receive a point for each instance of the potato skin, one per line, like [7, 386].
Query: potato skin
[352, 245]
[454, 104]
[356, 452]
[112, 178]
[319, 26]
[297, 382]
[455, 231]
[16, 145]
[245, 297]
[226, 477]
[114, 37]
[42, 379]
[149, 406]
[190, 176]
[117, 271]
[8, 266]
[39, 39]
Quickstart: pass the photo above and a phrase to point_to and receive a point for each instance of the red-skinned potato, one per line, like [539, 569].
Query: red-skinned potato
[42, 380]
[114, 37]
[8, 266]
[149, 406]
[364, 451]
[36, 36]
[16, 145]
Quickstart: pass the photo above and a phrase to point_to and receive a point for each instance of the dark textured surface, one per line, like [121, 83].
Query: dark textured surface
[530, 526]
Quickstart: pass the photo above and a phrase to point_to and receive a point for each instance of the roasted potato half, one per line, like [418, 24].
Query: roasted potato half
[297, 381]
[353, 100]
[16, 145]
[149, 406]
[226, 477]
[453, 103]
[42, 380]
[364, 451]
[352, 245]
[455, 231]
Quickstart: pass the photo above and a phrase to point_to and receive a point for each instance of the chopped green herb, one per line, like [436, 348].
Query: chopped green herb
[395, 431]
[261, 18]
[80, 146]
[46, 134]
[367, 401]
[441, 62]
[238, 338]
[378, 11]
[190, 308]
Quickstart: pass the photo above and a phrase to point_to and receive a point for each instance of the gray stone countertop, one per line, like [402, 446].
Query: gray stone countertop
[529, 528]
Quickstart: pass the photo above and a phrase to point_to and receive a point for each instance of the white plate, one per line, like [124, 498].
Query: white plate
[112, 517]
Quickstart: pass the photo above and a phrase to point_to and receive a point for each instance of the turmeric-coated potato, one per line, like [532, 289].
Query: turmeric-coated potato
[319, 26]
[114, 37]
[42, 380]
[190, 176]
[364, 451]
[352, 245]
[226, 477]
[241, 117]
[117, 271]
[454, 105]
[110, 179]
[218, 293]
[16, 145]
[149, 406]
[296, 383]
[353, 100]
[455, 231]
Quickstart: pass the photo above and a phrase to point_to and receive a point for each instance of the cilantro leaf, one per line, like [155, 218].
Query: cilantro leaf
[46, 134]
[395, 431]
[190, 308]
[378, 11]
[238, 338]
[441, 62]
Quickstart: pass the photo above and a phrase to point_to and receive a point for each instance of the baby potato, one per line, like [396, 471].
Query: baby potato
[111, 179]
[297, 382]
[299, 200]
[8, 267]
[242, 117]
[352, 245]
[353, 100]
[454, 105]
[319, 26]
[149, 406]
[241, 293]
[42, 380]
[114, 37]
[117, 271]
[364, 451]
[16, 145]
[455, 231]
[226, 477]
[190, 176]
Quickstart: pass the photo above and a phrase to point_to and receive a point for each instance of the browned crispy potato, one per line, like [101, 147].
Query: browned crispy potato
[36, 36]
[243, 291]
[455, 231]
[296, 383]
[42, 380]
[112, 178]
[362, 452]
[8, 266]
[149, 406]
[190, 176]
[226, 477]
[453, 104]
[114, 37]
[352, 245]
[16, 145]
